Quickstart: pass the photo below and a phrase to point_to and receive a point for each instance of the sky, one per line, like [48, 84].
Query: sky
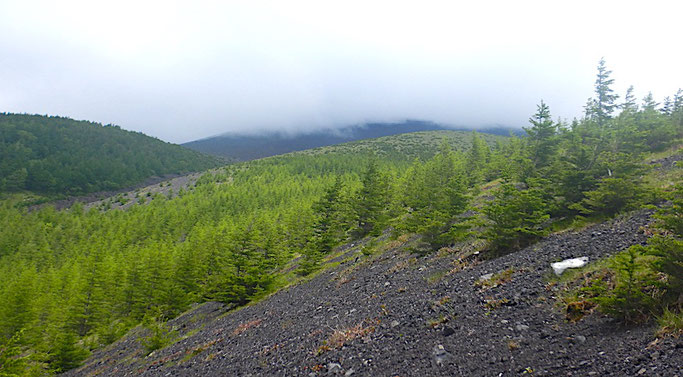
[186, 70]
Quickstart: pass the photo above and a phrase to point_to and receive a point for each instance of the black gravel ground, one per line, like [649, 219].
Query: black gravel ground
[395, 314]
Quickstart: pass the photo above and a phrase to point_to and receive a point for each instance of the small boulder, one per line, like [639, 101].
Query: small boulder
[580, 339]
[440, 355]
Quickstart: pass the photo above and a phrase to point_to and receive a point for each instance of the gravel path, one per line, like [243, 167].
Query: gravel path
[397, 315]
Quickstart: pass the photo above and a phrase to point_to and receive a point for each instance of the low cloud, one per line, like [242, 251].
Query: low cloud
[184, 71]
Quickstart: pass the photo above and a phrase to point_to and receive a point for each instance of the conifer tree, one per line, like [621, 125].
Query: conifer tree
[516, 217]
[438, 196]
[627, 137]
[667, 106]
[629, 104]
[649, 103]
[655, 128]
[477, 159]
[326, 230]
[371, 201]
[542, 136]
[604, 105]
[677, 113]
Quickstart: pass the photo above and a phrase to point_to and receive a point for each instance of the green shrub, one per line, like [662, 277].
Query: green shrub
[630, 299]
[11, 361]
[612, 196]
[160, 335]
[66, 353]
[516, 216]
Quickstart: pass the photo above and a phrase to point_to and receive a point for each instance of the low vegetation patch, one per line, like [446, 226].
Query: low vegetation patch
[339, 337]
[190, 353]
[640, 283]
[496, 279]
[246, 326]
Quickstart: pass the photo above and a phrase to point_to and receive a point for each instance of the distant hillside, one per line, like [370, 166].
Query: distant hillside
[56, 155]
[408, 146]
[250, 147]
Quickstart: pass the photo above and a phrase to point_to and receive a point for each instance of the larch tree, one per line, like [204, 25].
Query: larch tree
[477, 159]
[371, 201]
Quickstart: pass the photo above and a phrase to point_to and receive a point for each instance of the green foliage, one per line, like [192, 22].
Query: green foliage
[668, 251]
[649, 279]
[159, 334]
[668, 248]
[477, 159]
[516, 217]
[631, 298]
[330, 224]
[65, 353]
[670, 323]
[12, 363]
[435, 193]
[372, 201]
[603, 106]
[55, 155]
[620, 190]
[671, 218]
[333, 215]
[611, 196]
[542, 138]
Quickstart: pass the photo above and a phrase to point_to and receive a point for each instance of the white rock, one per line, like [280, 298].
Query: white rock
[559, 267]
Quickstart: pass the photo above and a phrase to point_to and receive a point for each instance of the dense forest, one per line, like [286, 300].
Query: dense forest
[77, 280]
[56, 155]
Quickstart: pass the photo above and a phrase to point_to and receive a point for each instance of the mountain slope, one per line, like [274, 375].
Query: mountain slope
[56, 155]
[70, 286]
[398, 150]
[393, 314]
[249, 147]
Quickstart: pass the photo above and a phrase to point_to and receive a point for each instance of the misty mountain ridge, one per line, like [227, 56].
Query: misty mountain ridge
[243, 147]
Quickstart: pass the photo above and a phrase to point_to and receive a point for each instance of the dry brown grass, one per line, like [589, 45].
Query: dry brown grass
[246, 326]
[339, 337]
[512, 345]
[491, 303]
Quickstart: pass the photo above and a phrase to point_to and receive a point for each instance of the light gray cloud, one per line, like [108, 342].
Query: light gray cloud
[186, 70]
